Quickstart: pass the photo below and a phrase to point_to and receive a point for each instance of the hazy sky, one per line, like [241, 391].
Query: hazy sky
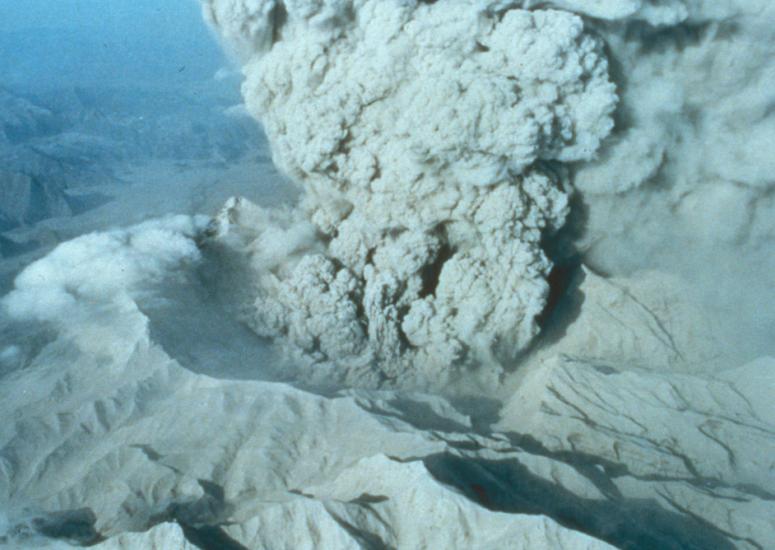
[51, 42]
[27, 14]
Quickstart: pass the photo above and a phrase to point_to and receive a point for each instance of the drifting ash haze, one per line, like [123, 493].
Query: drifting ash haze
[524, 301]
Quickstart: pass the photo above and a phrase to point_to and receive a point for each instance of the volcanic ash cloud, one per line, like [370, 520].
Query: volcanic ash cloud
[418, 132]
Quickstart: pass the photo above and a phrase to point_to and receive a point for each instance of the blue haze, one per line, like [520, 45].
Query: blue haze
[111, 112]
[50, 43]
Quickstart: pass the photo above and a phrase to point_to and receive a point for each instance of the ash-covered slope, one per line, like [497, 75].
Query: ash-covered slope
[109, 434]
[442, 146]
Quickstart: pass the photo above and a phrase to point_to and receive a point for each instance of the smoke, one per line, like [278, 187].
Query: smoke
[685, 184]
[417, 130]
[87, 289]
[427, 136]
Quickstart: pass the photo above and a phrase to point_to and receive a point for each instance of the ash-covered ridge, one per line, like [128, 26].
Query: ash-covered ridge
[141, 414]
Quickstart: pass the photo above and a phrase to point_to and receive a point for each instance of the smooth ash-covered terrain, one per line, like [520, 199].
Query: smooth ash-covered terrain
[523, 301]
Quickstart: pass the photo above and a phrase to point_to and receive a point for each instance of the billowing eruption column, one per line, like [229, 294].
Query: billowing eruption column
[417, 131]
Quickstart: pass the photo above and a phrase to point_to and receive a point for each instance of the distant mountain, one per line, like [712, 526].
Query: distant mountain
[53, 140]
[26, 198]
[21, 119]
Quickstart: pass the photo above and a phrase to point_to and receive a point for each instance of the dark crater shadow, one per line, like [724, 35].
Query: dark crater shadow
[75, 526]
[194, 319]
[209, 537]
[565, 298]
[637, 524]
